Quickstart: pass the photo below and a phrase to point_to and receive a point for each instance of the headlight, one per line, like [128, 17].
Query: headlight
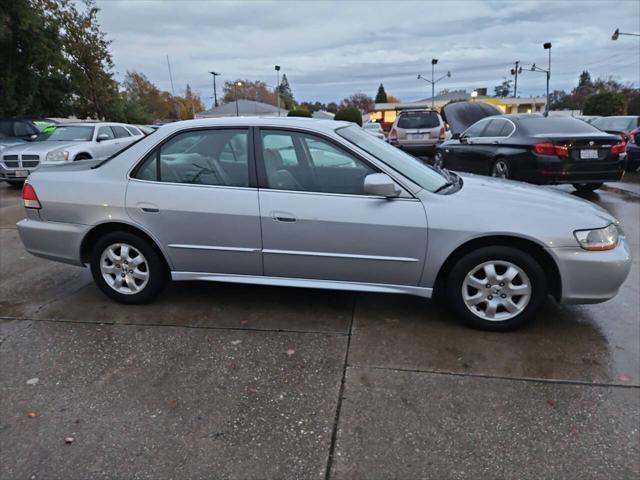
[59, 156]
[600, 239]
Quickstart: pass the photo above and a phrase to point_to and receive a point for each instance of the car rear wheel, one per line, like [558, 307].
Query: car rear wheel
[500, 169]
[438, 160]
[127, 269]
[496, 288]
[587, 187]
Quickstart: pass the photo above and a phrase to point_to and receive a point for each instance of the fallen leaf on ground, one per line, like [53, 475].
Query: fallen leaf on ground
[625, 378]
[32, 414]
[69, 440]
[290, 352]
[236, 342]
[33, 381]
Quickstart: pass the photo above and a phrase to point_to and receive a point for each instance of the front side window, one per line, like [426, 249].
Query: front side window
[23, 129]
[297, 161]
[475, 130]
[106, 131]
[200, 157]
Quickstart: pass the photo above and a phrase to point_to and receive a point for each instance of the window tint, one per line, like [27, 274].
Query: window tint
[6, 128]
[498, 128]
[545, 125]
[201, 157]
[418, 120]
[295, 161]
[618, 124]
[106, 131]
[476, 129]
[133, 130]
[23, 128]
[120, 131]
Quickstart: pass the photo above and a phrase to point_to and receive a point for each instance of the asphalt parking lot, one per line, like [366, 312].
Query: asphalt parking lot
[248, 382]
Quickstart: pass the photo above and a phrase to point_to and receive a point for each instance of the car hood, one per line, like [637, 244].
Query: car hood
[491, 206]
[461, 115]
[39, 148]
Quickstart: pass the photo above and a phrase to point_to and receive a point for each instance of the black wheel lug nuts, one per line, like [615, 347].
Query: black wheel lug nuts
[490, 297]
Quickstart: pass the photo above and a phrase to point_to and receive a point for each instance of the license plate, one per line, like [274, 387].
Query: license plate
[22, 173]
[415, 136]
[589, 154]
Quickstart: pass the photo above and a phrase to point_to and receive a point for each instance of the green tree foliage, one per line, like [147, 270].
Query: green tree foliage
[605, 103]
[299, 112]
[381, 96]
[561, 100]
[503, 89]
[332, 107]
[349, 114]
[286, 94]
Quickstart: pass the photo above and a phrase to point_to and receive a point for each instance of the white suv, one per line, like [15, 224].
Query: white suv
[418, 131]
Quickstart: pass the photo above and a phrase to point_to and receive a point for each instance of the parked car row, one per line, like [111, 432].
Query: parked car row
[65, 143]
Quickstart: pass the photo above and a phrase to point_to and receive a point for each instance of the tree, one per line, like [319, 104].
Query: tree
[286, 95]
[605, 104]
[503, 89]
[381, 96]
[560, 100]
[299, 112]
[156, 103]
[190, 104]
[248, 90]
[392, 99]
[332, 107]
[349, 114]
[362, 102]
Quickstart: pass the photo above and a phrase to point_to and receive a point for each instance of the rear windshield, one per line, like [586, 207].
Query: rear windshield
[418, 120]
[555, 125]
[616, 124]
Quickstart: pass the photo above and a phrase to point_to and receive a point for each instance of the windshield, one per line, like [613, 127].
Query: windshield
[618, 124]
[416, 171]
[70, 133]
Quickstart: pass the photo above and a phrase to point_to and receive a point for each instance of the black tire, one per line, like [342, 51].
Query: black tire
[500, 168]
[438, 159]
[587, 187]
[15, 183]
[474, 260]
[156, 268]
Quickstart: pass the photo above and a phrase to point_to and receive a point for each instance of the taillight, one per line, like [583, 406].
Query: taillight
[624, 137]
[441, 136]
[29, 197]
[551, 149]
[618, 148]
[393, 134]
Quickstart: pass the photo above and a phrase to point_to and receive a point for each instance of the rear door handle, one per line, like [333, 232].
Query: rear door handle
[283, 217]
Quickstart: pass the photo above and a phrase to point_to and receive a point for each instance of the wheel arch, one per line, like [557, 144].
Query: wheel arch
[537, 251]
[84, 155]
[98, 231]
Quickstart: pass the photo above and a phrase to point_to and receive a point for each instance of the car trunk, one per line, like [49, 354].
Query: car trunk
[584, 148]
[461, 115]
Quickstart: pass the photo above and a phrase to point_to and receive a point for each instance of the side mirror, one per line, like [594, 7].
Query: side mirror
[381, 185]
[33, 137]
[101, 137]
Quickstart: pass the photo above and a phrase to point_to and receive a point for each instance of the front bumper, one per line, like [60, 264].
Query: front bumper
[52, 240]
[592, 277]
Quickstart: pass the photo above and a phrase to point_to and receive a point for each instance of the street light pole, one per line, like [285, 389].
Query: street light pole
[547, 46]
[617, 33]
[433, 81]
[215, 95]
[277, 67]
[235, 88]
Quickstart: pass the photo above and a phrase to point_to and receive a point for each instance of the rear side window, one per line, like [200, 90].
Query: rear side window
[200, 157]
[23, 128]
[551, 125]
[133, 130]
[619, 124]
[498, 128]
[409, 120]
[6, 128]
[120, 131]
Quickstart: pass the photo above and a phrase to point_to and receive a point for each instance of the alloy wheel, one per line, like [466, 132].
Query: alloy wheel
[496, 290]
[124, 268]
[438, 160]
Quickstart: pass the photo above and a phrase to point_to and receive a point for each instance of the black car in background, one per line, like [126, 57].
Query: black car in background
[529, 147]
[619, 125]
[26, 129]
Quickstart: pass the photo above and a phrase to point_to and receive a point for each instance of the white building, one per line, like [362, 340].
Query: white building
[245, 108]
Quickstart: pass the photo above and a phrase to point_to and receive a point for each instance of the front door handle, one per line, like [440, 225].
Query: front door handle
[149, 208]
[283, 217]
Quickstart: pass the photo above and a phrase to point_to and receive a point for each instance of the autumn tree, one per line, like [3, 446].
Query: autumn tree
[361, 101]
[392, 99]
[247, 90]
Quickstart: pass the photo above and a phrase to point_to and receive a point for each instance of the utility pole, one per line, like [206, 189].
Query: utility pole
[173, 93]
[547, 72]
[433, 81]
[277, 68]
[215, 95]
[516, 71]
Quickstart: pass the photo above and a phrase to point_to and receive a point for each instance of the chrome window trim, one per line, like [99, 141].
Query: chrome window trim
[155, 182]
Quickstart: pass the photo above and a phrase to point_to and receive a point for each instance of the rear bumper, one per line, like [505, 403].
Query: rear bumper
[592, 277]
[555, 171]
[51, 240]
[417, 146]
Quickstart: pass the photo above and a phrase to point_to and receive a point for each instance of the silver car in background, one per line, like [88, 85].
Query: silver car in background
[418, 131]
[67, 143]
[375, 129]
[322, 204]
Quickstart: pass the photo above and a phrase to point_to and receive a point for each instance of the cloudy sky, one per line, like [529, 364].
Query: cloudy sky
[332, 49]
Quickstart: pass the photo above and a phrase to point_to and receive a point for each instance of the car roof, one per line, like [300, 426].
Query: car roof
[286, 122]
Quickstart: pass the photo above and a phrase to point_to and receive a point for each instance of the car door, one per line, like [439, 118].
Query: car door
[484, 148]
[104, 148]
[317, 222]
[203, 210]
[459, 156]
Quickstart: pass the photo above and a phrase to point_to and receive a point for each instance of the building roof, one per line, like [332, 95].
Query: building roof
[245, 107]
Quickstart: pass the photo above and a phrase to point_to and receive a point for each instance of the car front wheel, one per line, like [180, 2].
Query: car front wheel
[496, 288]
[127, 269]
[500, 169]
[586, 187]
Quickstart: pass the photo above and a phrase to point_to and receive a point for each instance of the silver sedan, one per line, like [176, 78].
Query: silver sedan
[322, 204]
